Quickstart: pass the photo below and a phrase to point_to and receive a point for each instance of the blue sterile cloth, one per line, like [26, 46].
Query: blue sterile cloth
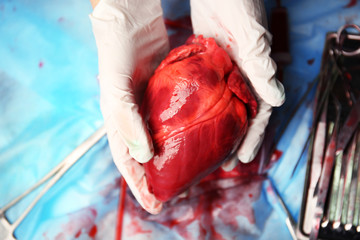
[49, 104]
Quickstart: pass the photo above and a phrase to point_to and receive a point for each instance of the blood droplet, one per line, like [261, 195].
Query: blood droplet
[93, 231]
[41, 64]
[311, 61]
[348, 75]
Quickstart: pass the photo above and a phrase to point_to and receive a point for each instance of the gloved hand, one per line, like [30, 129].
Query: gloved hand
[240, 28]
[132, 40]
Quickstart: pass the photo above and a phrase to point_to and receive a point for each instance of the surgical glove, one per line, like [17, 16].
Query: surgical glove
[131, 39]
[240, 28]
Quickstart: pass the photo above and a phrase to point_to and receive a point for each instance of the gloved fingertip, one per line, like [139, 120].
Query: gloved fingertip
[142, 150]
[142, 155]
[184, 194]
[230, 164]
[246, 154]
[279, 99]
[152, 205]
[273, 96]
[154, 210]
[246, 158]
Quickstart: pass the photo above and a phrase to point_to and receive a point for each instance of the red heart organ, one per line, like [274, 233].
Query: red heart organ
[197, 106]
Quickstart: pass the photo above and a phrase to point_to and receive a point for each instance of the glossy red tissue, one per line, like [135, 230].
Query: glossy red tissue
[197, 106]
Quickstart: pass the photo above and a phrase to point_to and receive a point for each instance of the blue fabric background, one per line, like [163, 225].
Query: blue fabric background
[49, 103]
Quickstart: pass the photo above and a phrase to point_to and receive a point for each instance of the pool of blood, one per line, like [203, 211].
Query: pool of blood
[215, 209]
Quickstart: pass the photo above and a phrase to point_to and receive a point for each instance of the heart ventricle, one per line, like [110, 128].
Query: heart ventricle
[197, 107]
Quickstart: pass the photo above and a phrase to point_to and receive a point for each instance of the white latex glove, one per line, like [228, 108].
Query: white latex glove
[131, 39]
[239, 26]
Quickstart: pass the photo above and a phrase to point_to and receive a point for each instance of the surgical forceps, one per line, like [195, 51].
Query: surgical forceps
[7, 229]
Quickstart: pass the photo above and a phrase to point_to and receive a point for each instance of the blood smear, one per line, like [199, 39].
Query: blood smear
[208, 209]
[136, 228]
[45, 236]
[79, 222]
[93, 212]
[181, 28]
[60, 236]
[352, 3]
[121, 207]
[276, 155]
[78, 234]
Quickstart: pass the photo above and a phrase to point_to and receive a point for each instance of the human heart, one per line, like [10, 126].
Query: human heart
[197, 107]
